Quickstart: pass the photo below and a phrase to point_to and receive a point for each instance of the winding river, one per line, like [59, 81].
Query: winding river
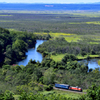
[34, 55]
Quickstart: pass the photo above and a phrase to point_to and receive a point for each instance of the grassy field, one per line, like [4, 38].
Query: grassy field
[92, 39]
[68, 37]
[58, 57]
[16, 97]
[68, 94]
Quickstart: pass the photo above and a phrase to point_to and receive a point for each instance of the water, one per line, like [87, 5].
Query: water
[93, 63]
[43, 7]
[32, 54]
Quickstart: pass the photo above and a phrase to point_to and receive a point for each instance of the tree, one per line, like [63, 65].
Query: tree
[8, 95]
[10, 55]
[48, 77]
[91, 93]
[69, 57]
[19, 47]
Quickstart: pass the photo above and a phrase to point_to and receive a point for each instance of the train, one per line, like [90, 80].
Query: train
[68, 87]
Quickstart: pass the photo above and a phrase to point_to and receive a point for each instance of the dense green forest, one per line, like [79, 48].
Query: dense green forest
[37, 77]
[31, 80]
[13, 45]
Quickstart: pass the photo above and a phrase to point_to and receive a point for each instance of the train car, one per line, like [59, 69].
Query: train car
[75, 88]
[63, 86]
[68, 87]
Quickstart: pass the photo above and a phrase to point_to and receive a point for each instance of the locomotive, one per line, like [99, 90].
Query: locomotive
[68, 87]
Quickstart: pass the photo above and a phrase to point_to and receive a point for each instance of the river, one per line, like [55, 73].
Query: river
[34, 55]
[92, 63]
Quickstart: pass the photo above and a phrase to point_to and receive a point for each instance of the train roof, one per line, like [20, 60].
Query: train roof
[64, 84]
[75, 87]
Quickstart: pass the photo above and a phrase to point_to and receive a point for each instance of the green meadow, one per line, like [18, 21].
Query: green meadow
[58, 57]
[92, 39]
[68, 37]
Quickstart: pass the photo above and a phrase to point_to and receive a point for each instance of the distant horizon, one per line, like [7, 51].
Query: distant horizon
[51, 1]
[48, 3]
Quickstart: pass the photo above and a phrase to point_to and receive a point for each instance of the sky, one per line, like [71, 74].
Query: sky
[49, 1]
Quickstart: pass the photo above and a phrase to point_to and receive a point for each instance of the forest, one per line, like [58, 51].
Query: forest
[14, 45]
[37, 77]
[61, 46]
[20, 32]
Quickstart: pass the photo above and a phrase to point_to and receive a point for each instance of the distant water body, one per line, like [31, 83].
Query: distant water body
[8, 6]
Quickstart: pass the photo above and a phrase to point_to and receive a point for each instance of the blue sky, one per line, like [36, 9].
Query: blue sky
[49, 1]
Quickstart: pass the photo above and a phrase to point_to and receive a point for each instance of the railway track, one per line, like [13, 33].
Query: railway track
[68, 90]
